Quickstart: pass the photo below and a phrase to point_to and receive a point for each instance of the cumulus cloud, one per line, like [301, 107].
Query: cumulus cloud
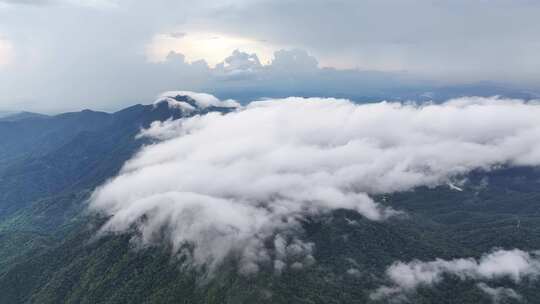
[231, 184]
[239, 66]
[513, 264]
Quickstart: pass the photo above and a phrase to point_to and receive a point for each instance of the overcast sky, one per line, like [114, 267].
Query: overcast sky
[58, 55]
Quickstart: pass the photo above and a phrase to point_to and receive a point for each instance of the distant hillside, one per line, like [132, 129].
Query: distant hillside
[15, 116]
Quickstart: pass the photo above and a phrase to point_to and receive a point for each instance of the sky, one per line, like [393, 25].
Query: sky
[60, 55]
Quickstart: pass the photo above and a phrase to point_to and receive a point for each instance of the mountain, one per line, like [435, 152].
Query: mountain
[14, 116]
[49, 252]
[72, 151]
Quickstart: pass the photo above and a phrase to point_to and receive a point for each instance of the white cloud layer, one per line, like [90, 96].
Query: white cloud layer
[228, 183]
[513, 264]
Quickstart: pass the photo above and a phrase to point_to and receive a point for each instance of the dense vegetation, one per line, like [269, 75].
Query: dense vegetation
[49, 252]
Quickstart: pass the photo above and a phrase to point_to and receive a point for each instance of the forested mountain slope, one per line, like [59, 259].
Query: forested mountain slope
[50, 252]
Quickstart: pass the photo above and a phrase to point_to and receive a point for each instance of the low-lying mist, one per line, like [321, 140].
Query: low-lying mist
[218, 184]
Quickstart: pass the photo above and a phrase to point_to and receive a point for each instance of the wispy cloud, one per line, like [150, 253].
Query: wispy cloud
[498, 294]
[513, 264]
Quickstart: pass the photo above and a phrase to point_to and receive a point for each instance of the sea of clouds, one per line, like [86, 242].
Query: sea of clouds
[217, 185]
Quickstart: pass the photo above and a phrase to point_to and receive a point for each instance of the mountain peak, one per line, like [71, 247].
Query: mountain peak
[188, 101]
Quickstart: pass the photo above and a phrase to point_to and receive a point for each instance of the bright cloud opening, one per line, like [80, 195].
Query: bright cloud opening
[6, 52]
[210, 47]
